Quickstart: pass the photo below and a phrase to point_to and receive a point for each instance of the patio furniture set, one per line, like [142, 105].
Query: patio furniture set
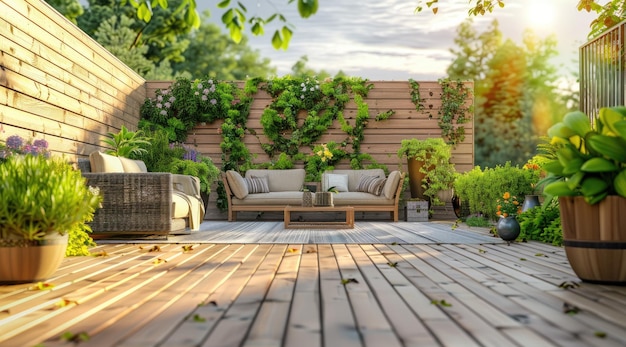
[140, 202]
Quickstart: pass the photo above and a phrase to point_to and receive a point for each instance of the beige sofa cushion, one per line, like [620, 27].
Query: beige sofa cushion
[389, 190]
[133, 166]
[287, 180]
[354, 176]
[102, 162]
[237, 184]
[257, 185]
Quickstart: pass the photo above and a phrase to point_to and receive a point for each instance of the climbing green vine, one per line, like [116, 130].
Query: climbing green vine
[453, 112]
[300, 113]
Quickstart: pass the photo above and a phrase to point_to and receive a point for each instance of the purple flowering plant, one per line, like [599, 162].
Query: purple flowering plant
[15, 144]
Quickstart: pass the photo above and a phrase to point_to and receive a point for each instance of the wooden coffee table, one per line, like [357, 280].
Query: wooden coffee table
[348, 224]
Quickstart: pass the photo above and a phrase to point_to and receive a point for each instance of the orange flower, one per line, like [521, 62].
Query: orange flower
[506, 196]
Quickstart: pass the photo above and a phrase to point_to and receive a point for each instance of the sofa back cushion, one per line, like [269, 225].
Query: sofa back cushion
[354, 176]
[102, 162]
[371, 184]
[287, 180]
[391, 185]
[237, 184]
[133, 166]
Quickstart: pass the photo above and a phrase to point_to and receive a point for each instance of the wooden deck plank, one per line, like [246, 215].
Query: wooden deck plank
[338, 322]
[271, 322]
[111, 299]
[240, 315]
[293, 295]
[304, 328]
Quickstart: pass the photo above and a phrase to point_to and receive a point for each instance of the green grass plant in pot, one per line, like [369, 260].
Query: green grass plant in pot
[588, 176]
[429, 166]
[41, 200]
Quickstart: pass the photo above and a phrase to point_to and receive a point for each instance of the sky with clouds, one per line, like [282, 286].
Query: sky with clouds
[386, 40]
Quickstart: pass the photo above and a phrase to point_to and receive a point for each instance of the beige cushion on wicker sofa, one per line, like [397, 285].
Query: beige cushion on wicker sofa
[186, 199]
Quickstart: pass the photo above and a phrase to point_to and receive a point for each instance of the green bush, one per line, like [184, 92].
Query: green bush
[476, 221]
[481, 189]
[542, 224]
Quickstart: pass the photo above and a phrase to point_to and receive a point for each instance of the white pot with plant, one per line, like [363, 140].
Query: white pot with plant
[41, 199]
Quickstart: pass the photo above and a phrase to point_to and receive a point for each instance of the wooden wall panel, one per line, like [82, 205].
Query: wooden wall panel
[58, 84]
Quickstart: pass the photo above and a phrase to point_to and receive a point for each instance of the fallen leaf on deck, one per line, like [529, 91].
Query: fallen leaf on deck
[159, 261]
[570, 309]
[441, 303]
[198, 318]
[65, 302]
[569, 284]
[187, 248]
[345, 281]
[76, 338]
[42, 286]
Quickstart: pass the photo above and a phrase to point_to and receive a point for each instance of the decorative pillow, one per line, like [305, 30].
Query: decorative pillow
[371, 184]
[340, 182]
[257, 185]
[389, 190]
[237, 184]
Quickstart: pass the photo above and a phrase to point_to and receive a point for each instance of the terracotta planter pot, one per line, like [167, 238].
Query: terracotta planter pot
[595, 239]
[27, 263]
[415, 178]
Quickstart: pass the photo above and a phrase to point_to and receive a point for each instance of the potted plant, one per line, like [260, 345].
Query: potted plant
[429, 167]
[588, 175]
[41, 200]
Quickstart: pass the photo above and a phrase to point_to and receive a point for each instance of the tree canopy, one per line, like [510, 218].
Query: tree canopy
[609, 14]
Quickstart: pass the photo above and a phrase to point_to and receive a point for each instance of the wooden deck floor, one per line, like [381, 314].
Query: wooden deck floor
[316, 295]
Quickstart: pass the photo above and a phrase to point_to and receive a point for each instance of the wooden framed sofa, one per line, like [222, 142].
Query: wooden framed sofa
[273, 190]
[136, 201]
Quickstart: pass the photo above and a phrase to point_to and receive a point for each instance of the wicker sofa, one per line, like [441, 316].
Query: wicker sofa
[140, 202]
[273, 190]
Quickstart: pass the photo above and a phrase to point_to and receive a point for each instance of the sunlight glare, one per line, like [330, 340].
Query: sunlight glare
[541, 15]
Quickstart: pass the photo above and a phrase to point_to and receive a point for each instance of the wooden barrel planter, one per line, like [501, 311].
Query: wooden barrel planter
[595, 238]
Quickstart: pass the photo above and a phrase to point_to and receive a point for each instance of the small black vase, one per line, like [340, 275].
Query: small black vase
[508, 228]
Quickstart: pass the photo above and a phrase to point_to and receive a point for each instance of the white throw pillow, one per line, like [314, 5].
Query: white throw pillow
[339, 182]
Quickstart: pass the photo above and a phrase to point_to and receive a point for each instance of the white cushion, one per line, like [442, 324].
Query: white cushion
[338, 181]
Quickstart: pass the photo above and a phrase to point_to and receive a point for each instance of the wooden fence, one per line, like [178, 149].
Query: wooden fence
[58, 84]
